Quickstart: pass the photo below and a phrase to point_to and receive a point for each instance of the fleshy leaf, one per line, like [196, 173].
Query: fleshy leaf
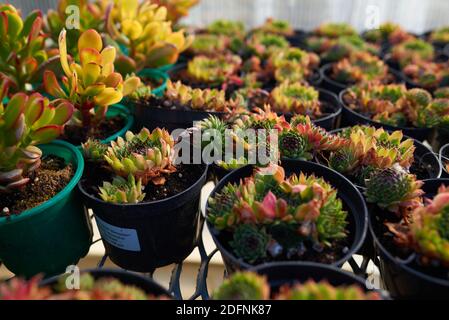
[108, 97]
[161, 55]
[46, 134]
[52, 86]
[63, 112]
[90, 39]
[15, 107]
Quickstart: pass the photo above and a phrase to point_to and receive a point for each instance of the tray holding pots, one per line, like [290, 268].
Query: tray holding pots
[352, 202]
[351, 117]
[444, 160]
[144, 236]
[402, 275]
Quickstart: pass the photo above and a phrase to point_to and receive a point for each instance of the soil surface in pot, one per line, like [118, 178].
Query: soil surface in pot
[408, 256]
[177, 182]
[45, 182]
[106, 128]
[162, 103]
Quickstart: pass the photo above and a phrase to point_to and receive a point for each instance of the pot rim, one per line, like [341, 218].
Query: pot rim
[79, 162]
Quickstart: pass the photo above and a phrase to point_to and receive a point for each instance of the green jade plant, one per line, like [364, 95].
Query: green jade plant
[25, 122]
[90, 83]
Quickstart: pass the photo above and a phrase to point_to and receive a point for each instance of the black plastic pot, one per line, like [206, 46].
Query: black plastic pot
[446, 50]
[298, 39]
[336, 87]
[351, 197]
[444, 157]
[127, 278]
[289, 273]
[160, 117]
[351, 118]
[144, 236]
[422, 154]
[402, 278]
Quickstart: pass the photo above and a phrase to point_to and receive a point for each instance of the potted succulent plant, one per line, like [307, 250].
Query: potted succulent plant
[95, 284]
[181, 106]
[413, 246]
[429, 75]
[363, 150]
[144, 36]
[43, 226]
[209, 45]
[261, 215]
[141, 198]
[293, 98]
[438, 37]
[292, 281]
[359, 67]
[263, 44]
[219, 72]
[393, 107]
[387, 34]
[283, 28]
[23, 55]
[93, 87]
[409, 51]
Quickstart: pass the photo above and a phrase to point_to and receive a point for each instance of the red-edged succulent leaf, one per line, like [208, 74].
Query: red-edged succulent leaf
[34, 108]
[30, 65]
[113, 80]
[46, 134]
[52, 86]
[29, 25]
[63, 112]
[15, 107]
[10, 175]
[45, 118]
[90, 39]
[90, 55]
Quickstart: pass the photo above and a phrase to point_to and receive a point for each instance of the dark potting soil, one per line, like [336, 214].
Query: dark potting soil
[407, 256]
[45, 182]
[177, 182]
[106, 128]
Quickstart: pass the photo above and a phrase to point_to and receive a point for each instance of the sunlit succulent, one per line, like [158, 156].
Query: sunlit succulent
[394, 189]
[228, 28]
[209, 44]
[427, 74]
[323, 290]
[177, 9]
[367, 149]
[391, 104]
[428, 230]
[91, 83]
[178, 94]
[144, 34]
[441, 93]
[301, 139]
[334, 30]
[215, 70]
[81, 14]
[440, 35]
[436, 114]
[22, 50]
[344, 46]
[388, 32]
[122, 191]
[27, 121]
[146, 155]
[360, 67]
[267, 199]
[293, 64]
[243, 286]
[280, 27]
[296, 98]
[412, 50]
[265, 44]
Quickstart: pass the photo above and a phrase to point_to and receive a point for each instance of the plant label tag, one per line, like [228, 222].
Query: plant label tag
[122, 238]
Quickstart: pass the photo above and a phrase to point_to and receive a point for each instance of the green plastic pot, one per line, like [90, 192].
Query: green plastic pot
[118, 110]
[48, 238]
[155, 74]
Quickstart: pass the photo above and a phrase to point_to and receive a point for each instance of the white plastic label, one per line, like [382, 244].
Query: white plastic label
[122, 238]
